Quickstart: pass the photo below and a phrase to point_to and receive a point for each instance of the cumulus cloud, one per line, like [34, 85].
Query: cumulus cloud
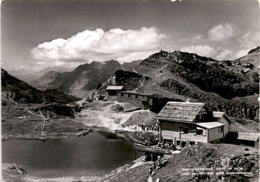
[218, 53]
[202, 50]
[100, 45]
[197, 38]
[224, 54]
[249, 40]
[241, 53]
[246, 42]
[221, 32]
[217, 44]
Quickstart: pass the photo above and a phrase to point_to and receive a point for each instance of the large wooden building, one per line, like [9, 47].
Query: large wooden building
[147, 100]
[188, 123]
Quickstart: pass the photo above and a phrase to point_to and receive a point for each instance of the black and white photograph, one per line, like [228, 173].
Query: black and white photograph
[130, 90]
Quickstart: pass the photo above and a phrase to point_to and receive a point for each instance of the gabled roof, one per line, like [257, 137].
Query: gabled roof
[115, 88]
[248, 136]
[218, 115]
[209, 125]
[180, 111]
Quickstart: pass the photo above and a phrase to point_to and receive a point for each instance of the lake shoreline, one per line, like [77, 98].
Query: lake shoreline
[62, 135]
[62, 128]
[13, 173]
[103, 178]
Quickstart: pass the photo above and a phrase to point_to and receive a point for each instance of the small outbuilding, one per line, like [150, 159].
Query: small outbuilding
[249, 139]
[113, 90]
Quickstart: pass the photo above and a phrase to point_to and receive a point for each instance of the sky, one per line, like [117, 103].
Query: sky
[36, 34]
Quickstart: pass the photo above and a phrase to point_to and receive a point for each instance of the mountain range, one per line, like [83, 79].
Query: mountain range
[31, 76]
[19, 91]
[231, 85]
[82, 80]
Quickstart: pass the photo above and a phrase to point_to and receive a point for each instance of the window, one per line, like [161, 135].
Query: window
[183, 144]
[136, 96]
[185, 130]
[168, 141]
[129, 95]
[199, 132]
[220, 129]
[122, 94]
[192, 143]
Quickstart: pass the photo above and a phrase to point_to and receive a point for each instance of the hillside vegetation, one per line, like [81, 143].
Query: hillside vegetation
[229, 86]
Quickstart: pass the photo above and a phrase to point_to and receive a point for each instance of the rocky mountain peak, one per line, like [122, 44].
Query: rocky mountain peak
[160, 55]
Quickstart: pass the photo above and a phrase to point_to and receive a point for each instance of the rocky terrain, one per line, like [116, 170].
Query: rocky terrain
[251, 58]
[130, 65]
[229, 86]
[111, 115]
[202, 162]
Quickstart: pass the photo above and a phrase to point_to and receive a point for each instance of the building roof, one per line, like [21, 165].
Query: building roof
[209, 125]
[218, 114]
[180, 111]
[248, 136]
[115, 87]
[134, 93]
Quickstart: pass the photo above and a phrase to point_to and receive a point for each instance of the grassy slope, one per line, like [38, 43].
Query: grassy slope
[18, 123]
